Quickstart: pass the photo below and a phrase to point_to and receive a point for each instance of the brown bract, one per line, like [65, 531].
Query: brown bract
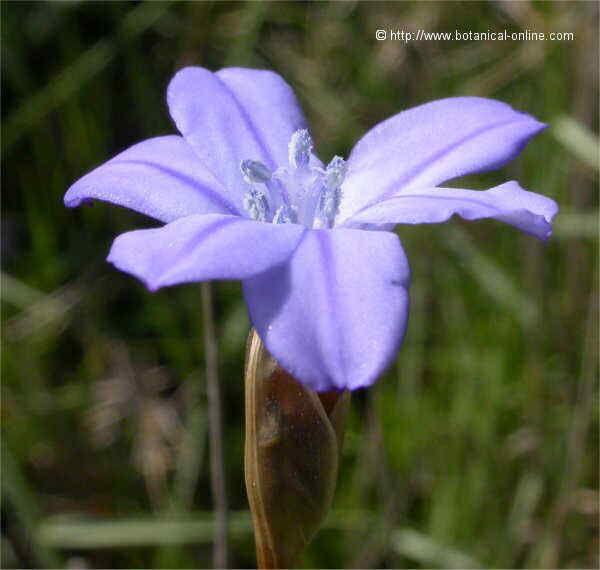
[293, 442]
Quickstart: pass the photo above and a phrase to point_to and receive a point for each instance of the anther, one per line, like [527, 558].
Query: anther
[331, 195]
[285, 215]
[255, 172]
[335, 173]
[299, 149]
[256, 204]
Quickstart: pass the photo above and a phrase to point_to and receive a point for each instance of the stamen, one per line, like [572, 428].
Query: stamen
[301, 193]
[255, 171]
[331, 195]
[299, 149]
[285, 215]
[335, 173]
[256, 204]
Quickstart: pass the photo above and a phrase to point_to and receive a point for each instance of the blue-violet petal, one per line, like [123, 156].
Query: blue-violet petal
[530, 212]
[334, 315]
[202, 247]
[430, 144]
[160, 177]
[234, 115]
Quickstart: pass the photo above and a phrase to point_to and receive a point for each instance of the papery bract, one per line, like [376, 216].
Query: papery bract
[244, 196]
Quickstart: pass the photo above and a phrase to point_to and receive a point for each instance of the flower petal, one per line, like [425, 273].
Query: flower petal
[335, 314]
[160, 177]
[270, 103]
[432, 143]
[530, 212]
[233, 115]
[202, 247]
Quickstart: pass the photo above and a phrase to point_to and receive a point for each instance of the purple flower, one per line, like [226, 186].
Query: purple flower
[243, 196]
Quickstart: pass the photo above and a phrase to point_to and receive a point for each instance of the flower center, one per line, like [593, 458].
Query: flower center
[300, 193]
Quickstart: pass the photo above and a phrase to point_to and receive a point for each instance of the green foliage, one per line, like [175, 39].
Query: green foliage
[479, 448]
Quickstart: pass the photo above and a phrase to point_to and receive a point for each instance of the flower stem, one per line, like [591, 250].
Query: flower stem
[217, 468]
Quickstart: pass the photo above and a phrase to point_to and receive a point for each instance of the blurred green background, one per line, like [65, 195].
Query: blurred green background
[479, 448]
